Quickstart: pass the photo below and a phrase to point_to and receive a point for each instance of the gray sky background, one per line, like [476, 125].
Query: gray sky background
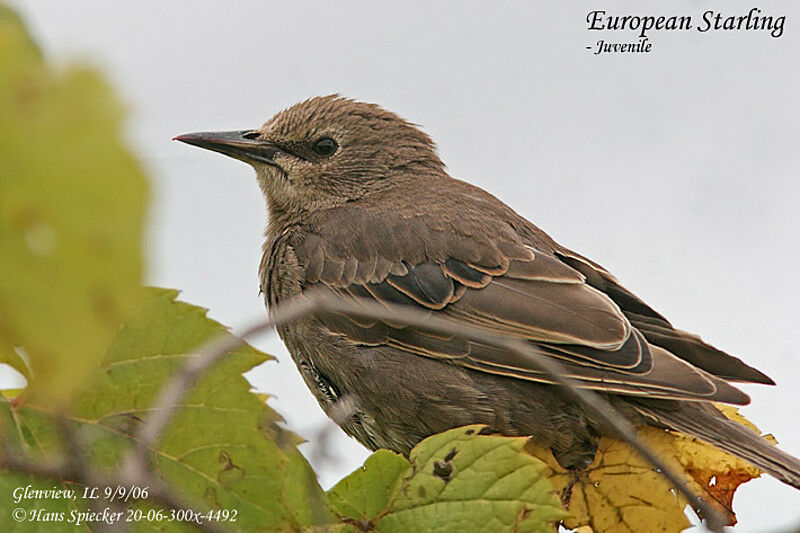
[677, 169]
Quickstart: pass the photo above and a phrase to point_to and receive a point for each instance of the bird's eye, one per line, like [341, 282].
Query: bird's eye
[325, 147]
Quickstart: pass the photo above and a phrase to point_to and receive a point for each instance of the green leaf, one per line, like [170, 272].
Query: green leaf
[224, 449]
[455, 481]
[71, 215]
[367, 492]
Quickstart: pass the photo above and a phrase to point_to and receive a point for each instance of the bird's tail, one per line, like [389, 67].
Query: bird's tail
[706, 423]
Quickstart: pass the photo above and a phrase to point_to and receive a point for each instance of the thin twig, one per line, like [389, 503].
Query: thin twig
[315, 301]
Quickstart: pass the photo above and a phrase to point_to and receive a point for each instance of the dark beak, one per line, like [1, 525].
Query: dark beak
[243, 145]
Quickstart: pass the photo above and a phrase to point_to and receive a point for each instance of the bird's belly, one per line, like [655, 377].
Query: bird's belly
[395, 398]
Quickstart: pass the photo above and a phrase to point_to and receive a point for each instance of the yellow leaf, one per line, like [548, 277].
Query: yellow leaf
[620, 492]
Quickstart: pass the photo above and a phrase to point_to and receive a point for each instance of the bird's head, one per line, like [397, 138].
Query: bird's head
[325, 151]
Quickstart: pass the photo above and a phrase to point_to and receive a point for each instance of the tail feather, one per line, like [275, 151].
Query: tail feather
[706, 423]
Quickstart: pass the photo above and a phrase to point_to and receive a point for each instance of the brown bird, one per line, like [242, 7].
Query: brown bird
[360, 203]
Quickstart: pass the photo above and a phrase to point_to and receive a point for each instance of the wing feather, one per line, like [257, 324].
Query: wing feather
[566, 306]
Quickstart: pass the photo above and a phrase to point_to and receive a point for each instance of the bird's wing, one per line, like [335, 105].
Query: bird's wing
[602, 339]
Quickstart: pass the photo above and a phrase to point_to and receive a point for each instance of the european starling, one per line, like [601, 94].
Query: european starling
[359, 202]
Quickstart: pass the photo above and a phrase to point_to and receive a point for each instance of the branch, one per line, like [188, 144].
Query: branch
[316, 300]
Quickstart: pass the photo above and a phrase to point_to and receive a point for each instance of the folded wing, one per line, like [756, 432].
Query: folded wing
[567, 307]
